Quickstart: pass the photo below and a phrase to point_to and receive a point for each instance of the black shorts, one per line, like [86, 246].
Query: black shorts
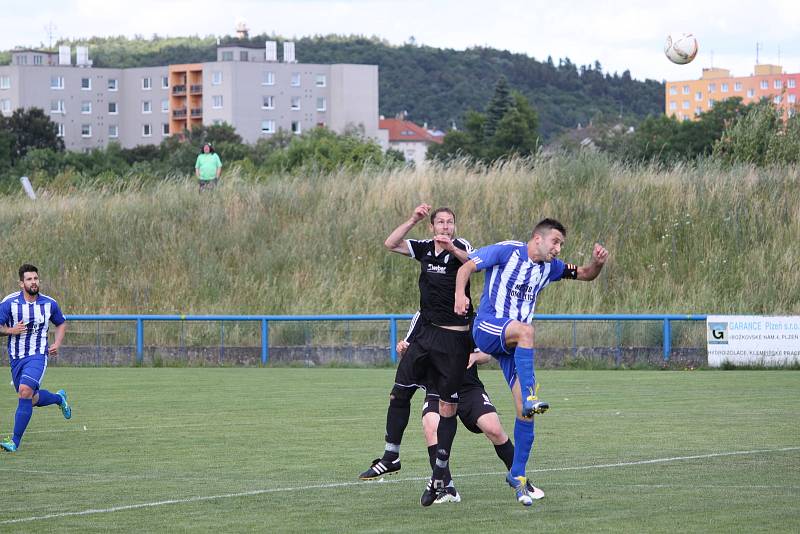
[473, 402]
[443, 356]
[411, 372]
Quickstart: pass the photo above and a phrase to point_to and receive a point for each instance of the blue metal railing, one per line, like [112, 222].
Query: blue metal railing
[265, 320]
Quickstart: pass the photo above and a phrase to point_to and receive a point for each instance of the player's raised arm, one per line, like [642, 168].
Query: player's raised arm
[462, 277]
[396, 240]
[591, 270]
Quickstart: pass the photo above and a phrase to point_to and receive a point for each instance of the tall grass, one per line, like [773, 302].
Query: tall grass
[696, 238]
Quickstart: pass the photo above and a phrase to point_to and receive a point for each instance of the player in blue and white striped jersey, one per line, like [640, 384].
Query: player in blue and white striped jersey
[515, 274]
[25, 317]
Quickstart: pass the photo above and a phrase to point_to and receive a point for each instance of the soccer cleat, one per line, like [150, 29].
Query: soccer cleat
[532, 405]
[379, 468]
[66, 411]
[520, 485]
[8, 445]
[433, 491]
[448, 494]
[534, 492]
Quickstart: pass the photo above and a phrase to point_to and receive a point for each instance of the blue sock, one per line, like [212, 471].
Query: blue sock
[22, 418]
[523, 439]
[523, 361]
[46, 398]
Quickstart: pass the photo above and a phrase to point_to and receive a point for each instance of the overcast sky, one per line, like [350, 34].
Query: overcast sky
[621, 34]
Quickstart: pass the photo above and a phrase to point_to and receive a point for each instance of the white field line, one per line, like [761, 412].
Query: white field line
[252, 493]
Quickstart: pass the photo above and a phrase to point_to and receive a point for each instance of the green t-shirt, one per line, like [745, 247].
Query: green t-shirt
[208, 165]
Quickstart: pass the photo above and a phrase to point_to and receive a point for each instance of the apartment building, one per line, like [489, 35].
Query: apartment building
[246, 87]
[687, 99]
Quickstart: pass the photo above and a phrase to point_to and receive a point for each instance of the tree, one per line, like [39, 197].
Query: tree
[30, 128]
[498, 106]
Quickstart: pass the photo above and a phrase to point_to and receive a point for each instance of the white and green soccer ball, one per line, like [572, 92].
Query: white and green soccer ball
[680, 48]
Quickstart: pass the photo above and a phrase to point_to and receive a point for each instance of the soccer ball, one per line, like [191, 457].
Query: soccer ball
[680, 48]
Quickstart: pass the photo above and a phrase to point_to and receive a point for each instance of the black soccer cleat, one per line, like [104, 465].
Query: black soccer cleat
[380, 468]
[433, 491]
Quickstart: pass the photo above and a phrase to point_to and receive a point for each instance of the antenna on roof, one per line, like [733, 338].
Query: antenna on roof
[50, 29]
[758, 46]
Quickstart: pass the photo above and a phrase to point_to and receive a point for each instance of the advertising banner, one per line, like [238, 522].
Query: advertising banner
[752, 339]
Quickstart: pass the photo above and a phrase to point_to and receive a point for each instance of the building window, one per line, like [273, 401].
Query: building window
[295, 103]
[147, 83]
[791, 98]
[296, 129]
[268, 102]
[751, 93]
[113, 131]
[737, 86]
[86, 84]
[86, 130]
[673, 105]
[711, 103]
[60, 129]
[697, 111]
[712, 87]
[268, 79]
[295, 79]
[227, 55]
[5, 105]
[673, 90]
[147, 130]
[724, 88]
[56, 106]
[216, 77]
[777, 84]
[113, 84]
[165, 82]
[321, 104]
[37, 60]
[791, 83]
[242, 55]
[5, 82]
[56, 82]
[685, 104]
[698, 96]
[86, 107]
[267, 127]
[764, 84]
[165, 129]
[216, 101]
[165, 106]
[321, 80]
[22, 60]
[777, 99]
[686, 89]
[147, 106]
[112, 108]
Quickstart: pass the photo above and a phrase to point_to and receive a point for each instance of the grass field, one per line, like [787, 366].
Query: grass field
[279, 450]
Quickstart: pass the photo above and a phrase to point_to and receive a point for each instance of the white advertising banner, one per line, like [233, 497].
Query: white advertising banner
[752, 339]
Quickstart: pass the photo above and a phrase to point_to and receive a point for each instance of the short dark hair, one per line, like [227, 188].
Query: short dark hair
[27, 268]
[437, 211]
[210, 147]
[545, 225]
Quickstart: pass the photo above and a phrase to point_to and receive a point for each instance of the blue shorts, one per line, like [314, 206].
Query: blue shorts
[28, 371]
[489, 334]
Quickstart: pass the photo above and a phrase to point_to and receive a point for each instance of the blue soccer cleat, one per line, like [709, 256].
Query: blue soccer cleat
[532, 405]
[65, 409]
[520, 485]
[8, 445]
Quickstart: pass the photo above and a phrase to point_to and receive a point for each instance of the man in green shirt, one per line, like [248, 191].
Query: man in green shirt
[208, 167]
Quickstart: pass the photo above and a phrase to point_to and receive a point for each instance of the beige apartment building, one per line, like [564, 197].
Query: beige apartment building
[246, 87]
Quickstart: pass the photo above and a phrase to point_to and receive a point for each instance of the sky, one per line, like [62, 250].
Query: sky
[621, 35]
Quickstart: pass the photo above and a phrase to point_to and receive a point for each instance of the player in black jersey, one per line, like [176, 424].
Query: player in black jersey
[440, 351]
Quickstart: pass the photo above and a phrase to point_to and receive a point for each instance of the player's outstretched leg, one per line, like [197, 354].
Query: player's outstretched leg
[46, 398]
[520, 486]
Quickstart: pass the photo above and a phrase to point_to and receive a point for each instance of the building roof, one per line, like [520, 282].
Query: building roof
[400, 130]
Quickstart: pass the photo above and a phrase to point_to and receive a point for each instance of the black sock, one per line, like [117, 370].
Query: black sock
[432, 455]
[396, 422]
[505, 452]
[445, 434]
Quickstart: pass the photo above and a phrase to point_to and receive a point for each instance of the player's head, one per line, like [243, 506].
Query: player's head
[29, 279]
[546, 240]
[443, 222]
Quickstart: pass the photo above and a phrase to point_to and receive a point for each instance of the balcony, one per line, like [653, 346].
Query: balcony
[197, 112]
[179, 113]
[178, 90]
[196, 89]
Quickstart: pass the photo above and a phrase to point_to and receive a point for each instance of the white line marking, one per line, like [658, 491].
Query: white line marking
[252, 493]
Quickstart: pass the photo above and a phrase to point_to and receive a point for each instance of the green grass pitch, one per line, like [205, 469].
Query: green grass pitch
[279, 450]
